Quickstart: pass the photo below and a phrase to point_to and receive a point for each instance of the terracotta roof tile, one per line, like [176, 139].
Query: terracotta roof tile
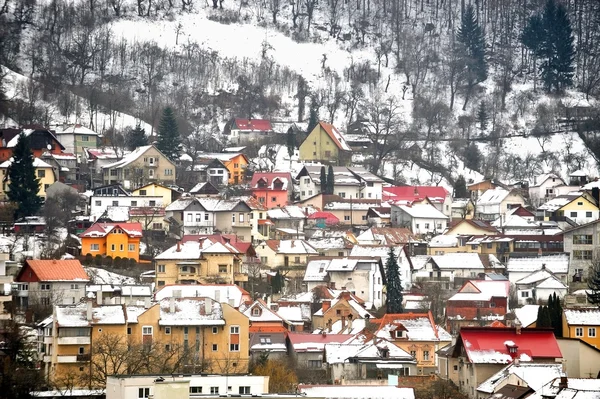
[56, 270]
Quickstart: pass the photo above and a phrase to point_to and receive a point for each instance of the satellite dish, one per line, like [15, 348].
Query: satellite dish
[49, 147]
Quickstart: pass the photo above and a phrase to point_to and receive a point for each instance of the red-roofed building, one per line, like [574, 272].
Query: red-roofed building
[325, 143]
[112, 239]
[50, 282]
[480, 352]
[242, 131]
[273, 189]
[40, 140]
[322, 219]
[438, 196]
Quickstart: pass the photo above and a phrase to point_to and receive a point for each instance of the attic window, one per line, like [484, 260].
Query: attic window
[399, 334]
[256, 311]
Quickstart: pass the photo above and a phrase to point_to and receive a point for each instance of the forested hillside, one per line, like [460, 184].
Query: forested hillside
[504, 89]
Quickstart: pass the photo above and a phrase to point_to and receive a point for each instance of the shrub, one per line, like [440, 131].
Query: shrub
[98, 260]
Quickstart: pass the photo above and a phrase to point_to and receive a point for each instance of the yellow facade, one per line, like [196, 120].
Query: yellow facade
[44, 174]
[580, 204]
[116, 243]
[467, 228]
[210, 268]
[588, 333]
[319, 146]
[155, 190]
[485, 248]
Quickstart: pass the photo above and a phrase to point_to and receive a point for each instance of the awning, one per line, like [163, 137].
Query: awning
[265, 222]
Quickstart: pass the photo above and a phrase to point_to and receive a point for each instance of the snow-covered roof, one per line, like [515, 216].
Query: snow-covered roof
[291, 314]
[558, 202]
[129, 158]
[527, 314]
[191, 312]
[72, 316]
[286, 212]
[291, 247]
[264, 313]
[444, 241]
[37, 163]
[493, 196]
[419, 327]
[317, 270]
[229, 293]
[357, 391]
[423, 211]
[535, 375]
[488, 289]
[77, 129]
[459, 260]
[327, 243]
[180, 204]
[342, 353]
[194, 250]
[582, 317]
[556, 263]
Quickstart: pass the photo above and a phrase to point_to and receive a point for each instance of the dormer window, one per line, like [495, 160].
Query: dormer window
[262, 183]
[256, 312]
[399, 334]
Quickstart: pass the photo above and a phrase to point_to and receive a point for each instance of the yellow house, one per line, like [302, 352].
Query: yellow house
[142, 166]
[484, 245]
[325, 143]
[199, 262]
[471, 227]
[287, 254]
[43, 172]
[157, 190]
[583, 324]
[81, 342]
[579, 207]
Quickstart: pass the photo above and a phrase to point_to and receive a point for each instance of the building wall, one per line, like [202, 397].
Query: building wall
[579, 252]
[570, 331]
[98, 204]
[580, 360]
[105, 245]
[237, 221]
[45, 181]
[319, 146]
[237, 169]
[161, 171]
[271, 198]
[207, 269]
[581, 211]
[418, 349]
[155, 190]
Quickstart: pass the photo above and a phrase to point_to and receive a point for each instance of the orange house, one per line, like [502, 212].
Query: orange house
[112, 239]
[236, 164]
[272, 189]
[40, 140]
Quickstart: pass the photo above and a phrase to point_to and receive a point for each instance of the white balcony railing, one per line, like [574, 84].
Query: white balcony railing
[74, 340]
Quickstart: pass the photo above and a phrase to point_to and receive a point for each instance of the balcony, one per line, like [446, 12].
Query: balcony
[85, 340]
[240, 277]
[198, 224]
[66, 359]
[85, 357]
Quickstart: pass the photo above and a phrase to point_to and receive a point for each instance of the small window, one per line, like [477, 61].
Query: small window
[133, 203]
[244, 391]
[121, 247]
[588, 214]
[425, 355]
[214, 390]
[112, 247]
[222, 268]
[215, 330]
[131, 247]
[94, 247]
[195, 389]
[592, 332]
[215, 347]
[128, 330]
[168, 330]
[161, 268]
[41, 173]
[143, 392]
[256, 311]
[147, 330]
[98, 203]
[573, 214]
[142, 192]
[115, 203]
[579, 332]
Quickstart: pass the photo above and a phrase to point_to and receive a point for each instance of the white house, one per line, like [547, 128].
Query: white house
[404, 263]
[447, 267]
[543, 186]
[101, 203]
[349, 182]
[495, 202]
[419, 218]
[521, 267]
[539, 285]
[362, 276]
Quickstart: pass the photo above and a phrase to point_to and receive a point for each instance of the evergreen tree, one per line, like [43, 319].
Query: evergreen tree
[24, 186]
[460, 188]
[291, 142]
[393, 284]
[482, 116]
[323, 180]
[543, 318]
[136, 138]
[593, 291]
[169, 141]
[330, 180]
[313, 119]
[565, 50]
[471, 40]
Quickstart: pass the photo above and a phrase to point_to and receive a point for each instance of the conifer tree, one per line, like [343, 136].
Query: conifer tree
[330, 180]
[136, 138]
[24, 186]
[313, 119]
[323, 180]
[169, 141]
[564, 50]
[482, 116]
[543, 318]
[593, 291]
[471, 40]
[291, 142]
[393, 284]
[460, 188]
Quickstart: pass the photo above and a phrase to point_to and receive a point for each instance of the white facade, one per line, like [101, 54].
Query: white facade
[496, 202]
[99, 204]
[198, 222]
[129, 387]
[544, 188]
[50, 293]
[420, 218]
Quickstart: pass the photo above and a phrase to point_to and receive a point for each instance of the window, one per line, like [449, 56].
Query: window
[273, 199]
[588, 214]
[573, 214]
[579, 332]
[346, 217]
[131, 247]
[152, 203]
[151, 173]
[147, 330]
[244, 391]
[215, 330]
[592, 332]
[222, 268]
[413, 354]
[425, 355]
[582, 254]
[256, 311]
[315, 364]
[206, 216]
[121, 247]
[95, 247]
[45, 287]
[241, 218]
[327, 154]
[41, 173]
[582, 239]
[112, 247]
[341, 194]
[524, 294]
[195, 389]
[128, 330]
[74, 286]
[142, 192]
[167, 330]
[168, 172]
[161, 268]
[234, 338]
[215, 347]
[143, 392]
[426, 225]
[98, 203]
[214, 390]
[233, 218]
[297, 259]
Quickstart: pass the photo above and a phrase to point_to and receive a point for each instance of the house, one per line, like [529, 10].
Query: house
[40, 140]
[583, 324]
[373, 360]
[566, 387]
[200, 262]
[231, 294]
[581, 360]
[94, 159]
[308, 350]
[471, 227]
[101, 204]
[356, 391]
[580, 243]
[495, 202]
[462, 208]
[267, 332]
[205, 189]
[577, 207]
[263, 318]
[112, 239]
[350, 212]
[419, 218]
[477, 302]
[111, 190]
[285, 253]
[144, 165]
[481, 352]
[449, 269]
[538, 286]
[379, 216]
[526, 315]
[531, 376]
[207, 170]
[543, 186]
[244, 131]
[403, 257]
[50, 282]
[76, 138]
[386, 236]
[521, 267]
[6, 287]
[477, 189]
[347, 309]
[157, 190]
[331, 245]
[273, 189]
[325, 144]
[348, 182]
[289, 217]
[236, 164]
[43, 172]
[361, 276]
[64, 166]
[417, 334]
[438, 196]
[322, 220]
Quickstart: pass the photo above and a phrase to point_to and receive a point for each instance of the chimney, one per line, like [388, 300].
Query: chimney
[207, 306]
[326, 305]
[349, 323]
[178, 246]
[89, 309]
[343, 322]
[201, 241]
[564, 382]
[172, 305]
[147, 302]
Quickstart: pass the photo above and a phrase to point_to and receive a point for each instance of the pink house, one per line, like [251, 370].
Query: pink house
[273, 189]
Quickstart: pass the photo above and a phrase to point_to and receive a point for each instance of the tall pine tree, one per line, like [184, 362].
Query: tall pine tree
[323, 180]
[136, 138]
[330, 180]
[169, 141]
[593, 291]
[564, 50]
[471, 40]
[24, 186]
[393, 284]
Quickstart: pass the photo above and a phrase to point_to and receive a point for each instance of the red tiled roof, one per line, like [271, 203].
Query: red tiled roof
[389, 318]
[329, 217]
[261, 125]
[497, 324]
[101, 229]
[55, 270]
[535, 343]
[333, 133]
[150, 211]
[415, 193]
[268, 178]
